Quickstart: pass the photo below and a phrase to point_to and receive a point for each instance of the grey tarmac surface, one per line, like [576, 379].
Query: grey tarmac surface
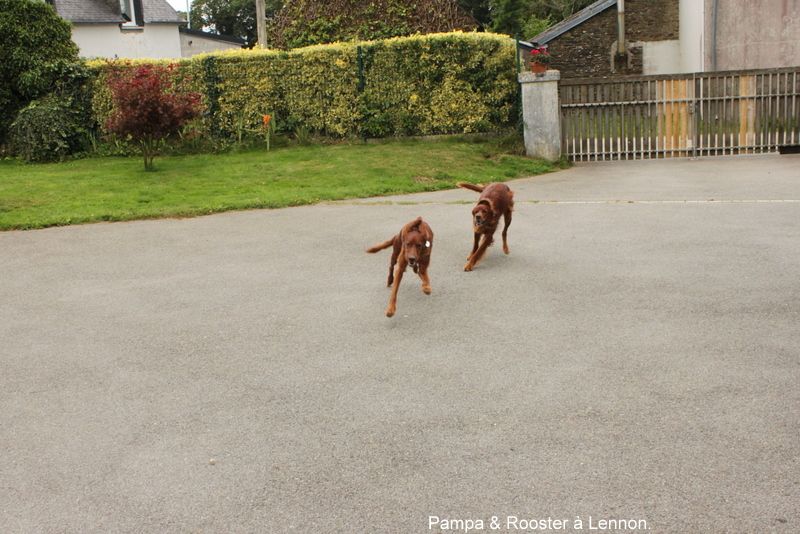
[636, 356]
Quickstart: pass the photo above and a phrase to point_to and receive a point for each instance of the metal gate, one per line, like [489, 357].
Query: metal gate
[685, 115]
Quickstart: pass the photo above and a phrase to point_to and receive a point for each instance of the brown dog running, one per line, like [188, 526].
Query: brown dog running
[412, 246]
[495, 200]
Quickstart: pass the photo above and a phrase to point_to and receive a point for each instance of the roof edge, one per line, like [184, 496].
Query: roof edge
[572, 21]
[214, 36]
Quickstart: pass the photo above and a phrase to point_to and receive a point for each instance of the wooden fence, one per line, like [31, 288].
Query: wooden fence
[680, 115]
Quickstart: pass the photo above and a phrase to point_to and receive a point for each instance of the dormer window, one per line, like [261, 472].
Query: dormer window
[128, 9]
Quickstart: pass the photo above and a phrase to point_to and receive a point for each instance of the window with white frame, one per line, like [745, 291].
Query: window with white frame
[128, 10]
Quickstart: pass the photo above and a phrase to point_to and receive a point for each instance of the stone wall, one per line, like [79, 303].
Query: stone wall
[586, 50]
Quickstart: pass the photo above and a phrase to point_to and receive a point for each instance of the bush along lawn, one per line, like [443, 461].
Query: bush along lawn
[118, 189]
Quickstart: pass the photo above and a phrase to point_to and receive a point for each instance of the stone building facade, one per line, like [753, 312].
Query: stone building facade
[676, 36]
[584, 45]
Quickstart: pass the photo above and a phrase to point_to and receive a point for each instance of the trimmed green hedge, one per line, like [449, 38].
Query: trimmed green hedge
[420, 85]
[49, 129]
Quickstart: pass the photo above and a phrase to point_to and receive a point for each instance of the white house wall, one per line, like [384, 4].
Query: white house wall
[661, 57]
[107, 40]
[692, 37]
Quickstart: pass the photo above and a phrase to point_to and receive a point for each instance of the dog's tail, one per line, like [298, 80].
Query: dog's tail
[381, 246]
[475, 187]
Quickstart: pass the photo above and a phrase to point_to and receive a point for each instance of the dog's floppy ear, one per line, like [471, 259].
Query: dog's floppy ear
[488, 205]
[410, 226]
[428, 233]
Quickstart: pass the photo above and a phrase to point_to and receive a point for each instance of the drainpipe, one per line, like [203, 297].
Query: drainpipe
[621, 26]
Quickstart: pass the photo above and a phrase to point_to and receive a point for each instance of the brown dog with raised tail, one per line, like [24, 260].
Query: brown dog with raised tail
[495, 200]
[412, 246]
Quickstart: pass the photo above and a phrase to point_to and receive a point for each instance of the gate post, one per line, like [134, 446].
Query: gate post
[541, 114]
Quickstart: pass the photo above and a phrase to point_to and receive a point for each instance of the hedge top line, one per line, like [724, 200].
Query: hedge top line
[243, 54]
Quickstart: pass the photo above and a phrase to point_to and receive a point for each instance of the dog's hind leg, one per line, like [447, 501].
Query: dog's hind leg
[395, 254]
[507, 221]
[392, 263]
[401, 268]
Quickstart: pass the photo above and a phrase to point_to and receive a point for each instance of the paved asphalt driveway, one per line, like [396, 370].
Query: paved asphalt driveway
[637, 356]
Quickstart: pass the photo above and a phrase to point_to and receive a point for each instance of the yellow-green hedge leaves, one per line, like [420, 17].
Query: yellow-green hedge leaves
[419, 85]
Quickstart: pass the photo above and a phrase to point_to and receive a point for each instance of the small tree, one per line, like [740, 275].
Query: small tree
[231, 17]
[306, 22]
[508, 15]
[148, 108]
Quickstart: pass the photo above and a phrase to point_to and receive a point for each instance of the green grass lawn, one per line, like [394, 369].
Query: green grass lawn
[117, 189]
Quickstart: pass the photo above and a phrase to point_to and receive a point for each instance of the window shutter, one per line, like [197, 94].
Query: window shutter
[139, 12]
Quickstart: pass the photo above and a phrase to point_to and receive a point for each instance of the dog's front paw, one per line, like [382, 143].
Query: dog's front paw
[505, 249]
[426, 290]
[390, 311]
[468, 267]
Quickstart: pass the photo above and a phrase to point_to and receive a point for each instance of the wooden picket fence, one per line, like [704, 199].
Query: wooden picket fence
[687, 115]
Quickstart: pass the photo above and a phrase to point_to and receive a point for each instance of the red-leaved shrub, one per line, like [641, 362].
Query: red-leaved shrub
[148, 108]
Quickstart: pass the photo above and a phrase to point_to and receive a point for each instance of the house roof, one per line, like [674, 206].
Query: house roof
[159, 11]
[100, 11]
[213, 36]
[88, 10]
[570, 22]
